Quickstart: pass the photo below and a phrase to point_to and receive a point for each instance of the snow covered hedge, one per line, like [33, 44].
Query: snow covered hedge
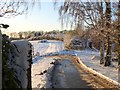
[16, 62]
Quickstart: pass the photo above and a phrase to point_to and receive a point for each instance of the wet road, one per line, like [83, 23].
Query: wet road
[66, 75]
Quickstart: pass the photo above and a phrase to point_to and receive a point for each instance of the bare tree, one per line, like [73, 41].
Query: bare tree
[97, 15]
[102, 49]
[91, 13]
[108, 40]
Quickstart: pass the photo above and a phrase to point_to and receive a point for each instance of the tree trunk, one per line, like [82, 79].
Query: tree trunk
[108, 52]
[102, 39]
[108, 41]
[102, 52]
[119, 35]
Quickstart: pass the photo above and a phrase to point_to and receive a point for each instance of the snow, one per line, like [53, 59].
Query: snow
[41, 63]
[23, 47]
[91, 59]
[88, 57]
[40, 81]
[49, 47]
[19, 55]
[98, 73]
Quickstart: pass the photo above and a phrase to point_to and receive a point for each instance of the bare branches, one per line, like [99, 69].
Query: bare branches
[89, 12]
[10, 8]
[81, 11]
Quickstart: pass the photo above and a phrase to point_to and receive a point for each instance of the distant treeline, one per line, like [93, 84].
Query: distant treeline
[38, 35]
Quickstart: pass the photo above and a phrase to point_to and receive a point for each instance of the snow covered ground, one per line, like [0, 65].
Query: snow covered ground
[40, 63]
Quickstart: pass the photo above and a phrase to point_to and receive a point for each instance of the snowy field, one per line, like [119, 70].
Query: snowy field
[40, 63]
[49, 47]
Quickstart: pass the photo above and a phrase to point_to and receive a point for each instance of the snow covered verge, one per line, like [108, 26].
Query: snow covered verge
[97, 73]
[16, 63]
[41, 73]
[92, 60]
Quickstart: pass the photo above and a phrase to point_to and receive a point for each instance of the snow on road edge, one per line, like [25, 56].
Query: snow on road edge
[97, 73]
[42, 80]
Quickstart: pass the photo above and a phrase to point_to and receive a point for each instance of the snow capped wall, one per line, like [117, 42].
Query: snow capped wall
[21, 59]
[16, 63]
